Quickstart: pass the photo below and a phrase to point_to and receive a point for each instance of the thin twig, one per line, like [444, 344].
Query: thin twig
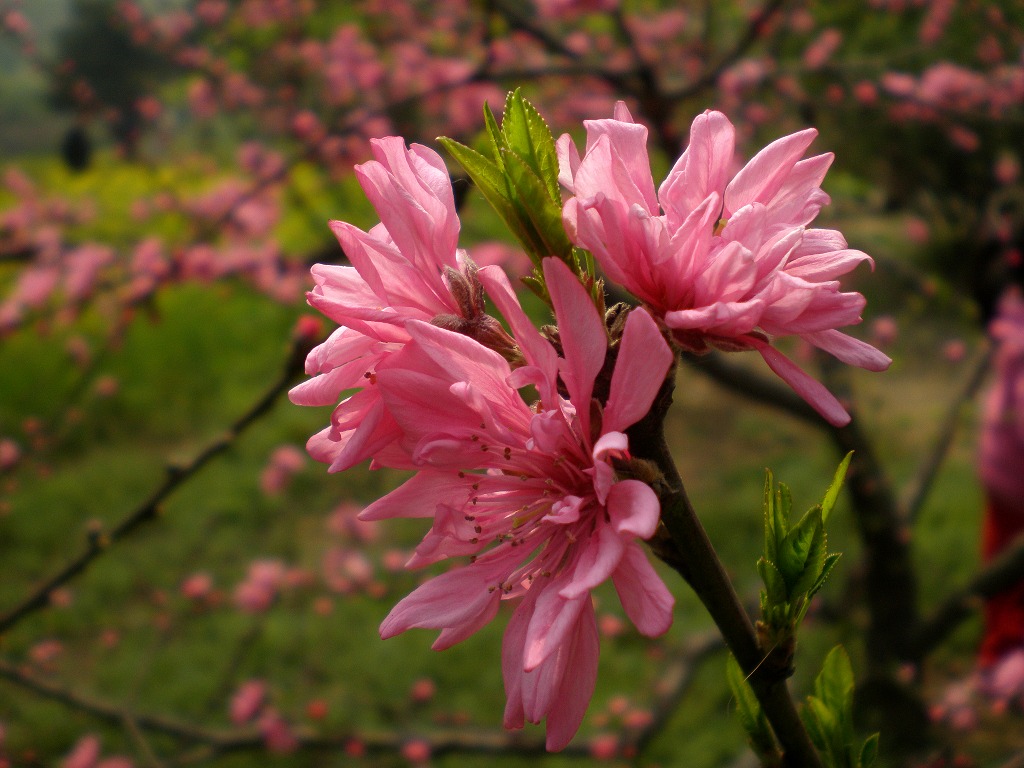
[1002, 573]
[1016, 761]
[917, 489]
[149, 510]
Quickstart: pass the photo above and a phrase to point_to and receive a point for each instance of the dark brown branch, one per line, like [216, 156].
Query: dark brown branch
[750, 36]
[683, 543]
[1002, 573]
[751, 384]
[917, 489]
[149, 510]
[212, 741]
[889, 578]
[1016, 761]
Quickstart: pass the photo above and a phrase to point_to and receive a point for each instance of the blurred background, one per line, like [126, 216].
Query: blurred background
[181, 585]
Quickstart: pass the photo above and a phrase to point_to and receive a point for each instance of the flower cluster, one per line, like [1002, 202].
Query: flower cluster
[722, 263]
[519, 438]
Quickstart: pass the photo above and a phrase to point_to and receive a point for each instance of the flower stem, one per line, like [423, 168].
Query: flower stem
[685, 546]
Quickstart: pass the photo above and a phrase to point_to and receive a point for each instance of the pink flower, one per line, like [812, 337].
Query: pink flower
[405, 268]
[722, 263]
[530, 493]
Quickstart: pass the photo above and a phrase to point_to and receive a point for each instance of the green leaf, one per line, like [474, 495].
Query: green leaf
[533, 203]
[816, 556]
[834, 685]
[770, 540]
[869, 752]
[774, 583]
[819, 722]
[492, 183]
[536, 284]
[783, 507]
[494, 134]
[796, 549]
[826, 569]
[529, 137]
[832, 494]
[748, 710]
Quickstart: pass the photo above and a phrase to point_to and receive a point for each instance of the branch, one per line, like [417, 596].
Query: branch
[212, 741]
[1016, 761]
[150, 509]
[747, 382]
[750, 36]
[890, 579]
[683, 543]
[1000, 574]
[918, 487]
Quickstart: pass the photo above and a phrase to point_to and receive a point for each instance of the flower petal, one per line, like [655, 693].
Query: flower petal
[644, 360]
[814, 392]
[643, 594]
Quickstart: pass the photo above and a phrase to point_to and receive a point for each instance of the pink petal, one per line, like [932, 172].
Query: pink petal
[819, 398]
[553, 617]
[582, 332]
[418, 496]
[535, 348]
[643, 594]
[633, 509]
[702, 169]
[816, 267]
[599, 558]
[621, 168]
[465, 598]
[576, 683]
[644, 360]
[760, 179]
[568, 161]
[850, 350]
[512, 646]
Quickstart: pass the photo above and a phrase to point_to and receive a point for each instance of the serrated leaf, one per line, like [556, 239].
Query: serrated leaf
[492, 183]
[815, 557]
[529, 137]
[532, 201]
[834, 685]
[783, 507]
[774, 583]
[868, 752]
[748, 710]
[832, 494]
[826, 569]
[536, 284]
[770, 541]
[497, 140]
[795, 549]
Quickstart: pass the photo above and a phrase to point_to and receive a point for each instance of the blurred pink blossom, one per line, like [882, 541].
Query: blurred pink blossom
[85, 753]
[10, 454]
[247, 701]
